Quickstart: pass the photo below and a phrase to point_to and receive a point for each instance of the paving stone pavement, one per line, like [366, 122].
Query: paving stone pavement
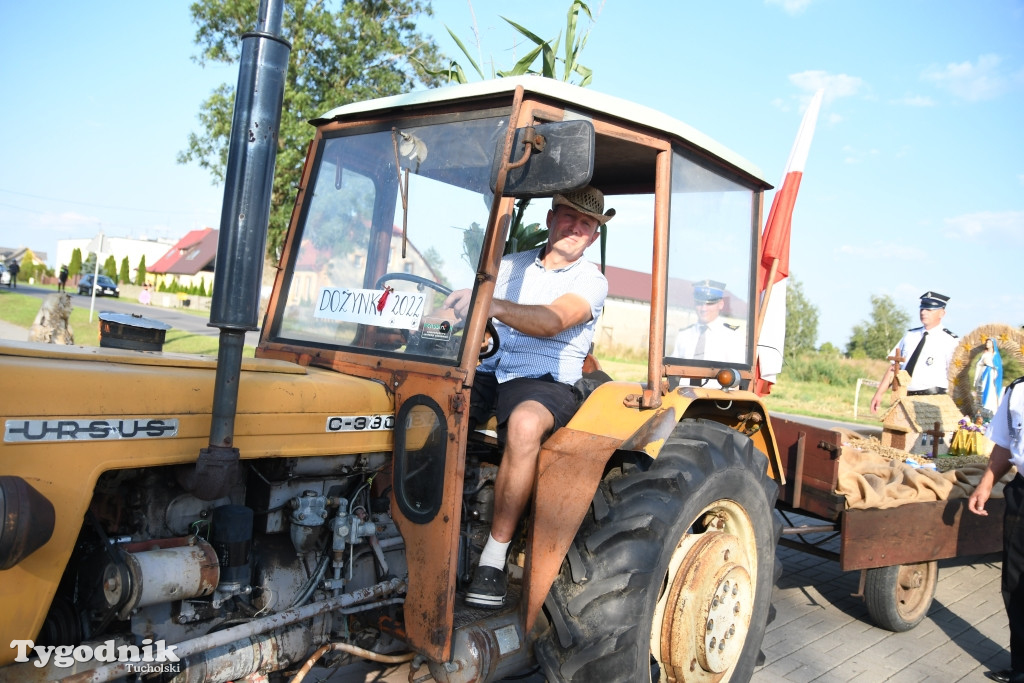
[823, 633]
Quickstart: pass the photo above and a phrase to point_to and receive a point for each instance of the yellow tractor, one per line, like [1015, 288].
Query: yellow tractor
[326, 500]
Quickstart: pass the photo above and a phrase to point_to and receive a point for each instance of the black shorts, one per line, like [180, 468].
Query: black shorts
[491, 398]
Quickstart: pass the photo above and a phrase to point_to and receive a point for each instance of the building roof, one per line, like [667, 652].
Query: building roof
[9, 253]
[634, 285]
[194, 252]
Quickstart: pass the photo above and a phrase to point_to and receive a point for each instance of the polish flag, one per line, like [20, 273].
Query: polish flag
[773, 270]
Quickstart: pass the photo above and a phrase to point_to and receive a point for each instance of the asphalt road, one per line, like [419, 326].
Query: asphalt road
[177, 318]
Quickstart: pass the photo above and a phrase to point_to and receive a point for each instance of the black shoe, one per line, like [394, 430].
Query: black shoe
[488, 588]
[1001, 676]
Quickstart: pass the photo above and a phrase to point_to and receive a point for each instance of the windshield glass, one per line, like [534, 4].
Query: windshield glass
[370, 277]
[709, 317]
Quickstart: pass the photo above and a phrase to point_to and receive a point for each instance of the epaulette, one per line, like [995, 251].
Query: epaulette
[915, 329]
[732, 327]
[950, 333]
[1015, 383]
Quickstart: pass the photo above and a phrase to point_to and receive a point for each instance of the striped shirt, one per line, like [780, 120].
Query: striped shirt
[523, 279]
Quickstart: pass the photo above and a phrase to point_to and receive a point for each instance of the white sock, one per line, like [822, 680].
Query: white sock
[494, 553]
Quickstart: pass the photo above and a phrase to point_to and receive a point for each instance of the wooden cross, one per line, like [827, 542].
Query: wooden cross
[897, 360]
[935, 433]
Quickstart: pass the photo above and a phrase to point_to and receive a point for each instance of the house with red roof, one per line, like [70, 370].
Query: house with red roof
[190, 262]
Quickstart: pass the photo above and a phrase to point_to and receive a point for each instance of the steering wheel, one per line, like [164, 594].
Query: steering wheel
[409, 277]
[488, 347]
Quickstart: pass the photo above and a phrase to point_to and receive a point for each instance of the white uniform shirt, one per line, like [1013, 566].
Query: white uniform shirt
[1005, 429]
[722, 341]
[932, 368]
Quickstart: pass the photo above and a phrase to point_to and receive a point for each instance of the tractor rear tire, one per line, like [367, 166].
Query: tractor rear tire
[898, 597]
[671, 572]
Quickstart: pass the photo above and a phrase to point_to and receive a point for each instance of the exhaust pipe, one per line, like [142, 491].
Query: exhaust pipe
[245, 215]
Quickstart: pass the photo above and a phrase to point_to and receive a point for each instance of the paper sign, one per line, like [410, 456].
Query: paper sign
[402, 310]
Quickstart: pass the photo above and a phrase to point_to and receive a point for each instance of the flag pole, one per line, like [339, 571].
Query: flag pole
[764, 301]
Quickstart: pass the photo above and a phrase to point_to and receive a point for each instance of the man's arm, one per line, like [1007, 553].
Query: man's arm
[543, 320]
[536, 320]
[998, 466]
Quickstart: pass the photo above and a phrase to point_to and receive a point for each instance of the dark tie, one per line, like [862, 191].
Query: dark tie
[915, 355]
[698, 351]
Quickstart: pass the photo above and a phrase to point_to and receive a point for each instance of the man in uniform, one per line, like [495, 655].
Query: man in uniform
[927, 352]
[710, 338]
[1006, 430]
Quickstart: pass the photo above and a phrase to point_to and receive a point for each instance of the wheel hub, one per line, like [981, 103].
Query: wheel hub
[709, 608]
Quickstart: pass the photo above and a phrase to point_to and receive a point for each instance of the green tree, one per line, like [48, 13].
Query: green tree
[122, 274]
[876, 337]
[360, 51]
[29, 269]
[110, 267]
[801, 320]
[89, 267]
[829, 349]
[75, 267]
[140, 274]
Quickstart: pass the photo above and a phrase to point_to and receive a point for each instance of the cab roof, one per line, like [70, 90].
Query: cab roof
[584, 101]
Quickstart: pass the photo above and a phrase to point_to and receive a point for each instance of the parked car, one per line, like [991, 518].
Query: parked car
[5, 276]
[104, 286]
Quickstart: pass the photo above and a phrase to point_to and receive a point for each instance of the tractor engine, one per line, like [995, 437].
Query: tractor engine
[155, 562]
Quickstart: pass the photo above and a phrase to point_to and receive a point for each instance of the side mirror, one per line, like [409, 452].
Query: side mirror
[565, 162]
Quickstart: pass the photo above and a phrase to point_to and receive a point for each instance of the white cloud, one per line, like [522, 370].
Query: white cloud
[853, 155]
[1004, 226]
[916, 101]
[880, 251]
[836, 85]
[791, 6]
[981, 80]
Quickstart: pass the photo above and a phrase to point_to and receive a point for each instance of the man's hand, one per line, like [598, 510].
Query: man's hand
[976, 503]
[458, 301]
[998, 466]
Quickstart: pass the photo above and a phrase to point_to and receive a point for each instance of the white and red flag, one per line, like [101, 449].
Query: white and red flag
[773, 270]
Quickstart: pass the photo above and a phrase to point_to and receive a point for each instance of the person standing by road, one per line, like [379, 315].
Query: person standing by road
[13, 268]
[927, 352]
[62, 279]
[1006, 433]
[546, 304]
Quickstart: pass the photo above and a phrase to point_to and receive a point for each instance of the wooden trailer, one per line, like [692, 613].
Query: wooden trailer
[897, 549]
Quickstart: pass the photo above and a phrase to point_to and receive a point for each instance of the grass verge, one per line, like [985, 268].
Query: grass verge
[21, 310]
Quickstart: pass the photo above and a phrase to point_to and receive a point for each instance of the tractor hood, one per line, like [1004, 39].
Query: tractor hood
[88, 395]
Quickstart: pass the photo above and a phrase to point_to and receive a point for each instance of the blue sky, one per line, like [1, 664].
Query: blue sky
[915, 179]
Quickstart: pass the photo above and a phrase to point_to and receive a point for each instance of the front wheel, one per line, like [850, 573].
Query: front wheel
[898, 597]
[670, 576]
